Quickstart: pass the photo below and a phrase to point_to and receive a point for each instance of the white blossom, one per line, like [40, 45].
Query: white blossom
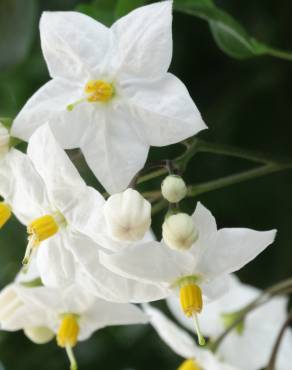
[200, 270]
[110, 92]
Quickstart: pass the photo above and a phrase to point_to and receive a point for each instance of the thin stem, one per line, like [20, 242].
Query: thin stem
[205, 187]
[272, 362]
[159, 206]
[279, 54]
[152, 175]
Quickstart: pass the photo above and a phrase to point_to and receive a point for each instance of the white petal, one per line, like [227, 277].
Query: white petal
[112, 148]
[284, 359]
[167, 113]
[175, 337]
[64, 184]
[233, 249]
[74, 44]
[27, 195]
[56, 264]
[49, 104]
[5, 176]
[102, 314]
[103, 283]
[145, 40]
[149, 262]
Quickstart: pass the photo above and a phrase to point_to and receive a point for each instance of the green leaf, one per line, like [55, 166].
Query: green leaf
[101, 10]
[229, 35]
[124, 7]
[17, 23]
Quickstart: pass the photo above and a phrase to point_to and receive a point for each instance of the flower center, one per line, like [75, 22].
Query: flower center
[41, 229]
[5, 213]
[189, 365]
[68, 331]
[99, 91]
[191, 302]
[96, 91]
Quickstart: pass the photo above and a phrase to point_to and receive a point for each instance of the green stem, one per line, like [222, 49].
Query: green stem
[152, 175]
[279, 54]
[234, 179]
[272, 362]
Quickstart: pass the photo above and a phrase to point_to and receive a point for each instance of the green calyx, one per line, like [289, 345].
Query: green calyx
[230, 318]
[185, 280]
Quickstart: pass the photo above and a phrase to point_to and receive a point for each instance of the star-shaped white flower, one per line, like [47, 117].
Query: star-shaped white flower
[110, 92]
[184, 345]
[251, 343]
[72, 314]
[65, 221]
[199, 270]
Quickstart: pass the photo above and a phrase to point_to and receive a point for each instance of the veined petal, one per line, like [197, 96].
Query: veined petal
[27, 194]
[103, 283]
[167, 113]
[56, 263]
[145, 40]
[49, 104]
[176, 338]
[150, 262]
[102, 314]
[107, 150]
[74, 44]
[60, 176]
[233, 249]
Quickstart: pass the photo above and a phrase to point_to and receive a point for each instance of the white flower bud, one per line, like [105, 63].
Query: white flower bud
[39, 335]
[179, 231]
[173, 188]
[4, 140]
[127, 215]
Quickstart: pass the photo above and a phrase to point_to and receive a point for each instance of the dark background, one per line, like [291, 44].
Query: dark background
[246, 103]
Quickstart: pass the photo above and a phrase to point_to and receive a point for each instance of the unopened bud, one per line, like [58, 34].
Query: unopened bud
[127, 215]
[173, 188]
[39, 335]
[4, 140]
[179, 231]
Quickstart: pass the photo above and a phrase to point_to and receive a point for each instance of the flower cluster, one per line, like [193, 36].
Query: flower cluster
[90, 259]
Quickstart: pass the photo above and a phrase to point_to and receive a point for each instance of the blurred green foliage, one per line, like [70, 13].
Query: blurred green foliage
[245, 103]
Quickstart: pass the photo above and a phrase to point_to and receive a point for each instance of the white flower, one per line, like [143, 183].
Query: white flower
[201, 269]
[173, 188]
[110, 92]
[39, 335]
[71, 314]
[251, 343]
[65, 218]
[127, 215]
[179, 231]
[184, 345]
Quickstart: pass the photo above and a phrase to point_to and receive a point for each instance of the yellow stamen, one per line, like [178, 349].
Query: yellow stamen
[189, 365]
[41, 229]
[99, 91]
[191, 299]
[68, 331]
[5, 213]
[192, 303]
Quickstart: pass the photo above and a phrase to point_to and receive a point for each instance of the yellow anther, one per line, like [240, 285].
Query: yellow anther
[43, 228]
[191, 299]
[192, 303]
[189, 365]
[68, 331]
[99, 91]
[5, 213]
